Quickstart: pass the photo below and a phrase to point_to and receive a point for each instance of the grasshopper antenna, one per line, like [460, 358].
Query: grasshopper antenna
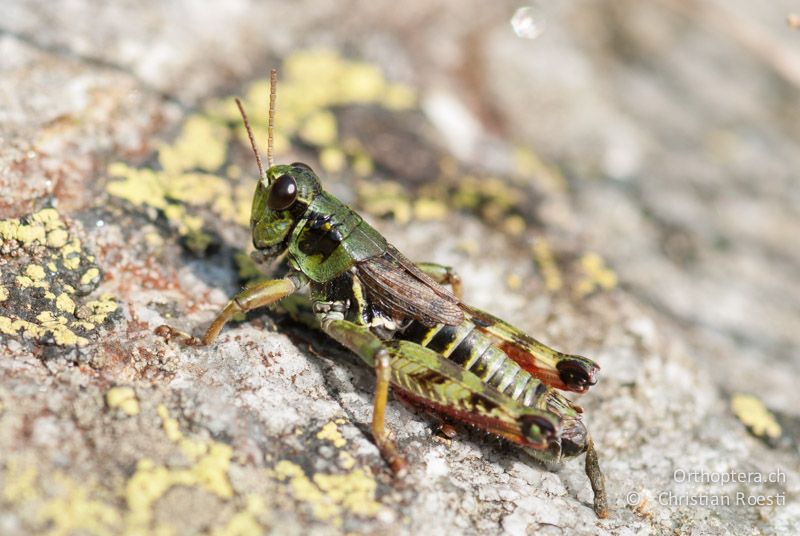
[273, 84]
[252, 140]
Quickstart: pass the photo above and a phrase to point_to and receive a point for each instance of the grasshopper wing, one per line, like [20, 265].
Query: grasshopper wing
[402, 290]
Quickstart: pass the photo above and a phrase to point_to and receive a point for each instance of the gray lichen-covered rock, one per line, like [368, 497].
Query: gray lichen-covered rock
[623, 187]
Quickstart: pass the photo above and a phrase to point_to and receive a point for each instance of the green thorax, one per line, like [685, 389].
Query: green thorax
[330, 238]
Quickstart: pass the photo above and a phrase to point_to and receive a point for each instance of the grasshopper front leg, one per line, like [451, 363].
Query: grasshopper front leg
[370, 349]
[260, 295]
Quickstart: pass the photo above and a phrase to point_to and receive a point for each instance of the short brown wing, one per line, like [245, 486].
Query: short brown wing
[402, 290]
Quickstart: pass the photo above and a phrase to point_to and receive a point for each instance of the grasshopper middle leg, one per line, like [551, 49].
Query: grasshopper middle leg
[370, 348]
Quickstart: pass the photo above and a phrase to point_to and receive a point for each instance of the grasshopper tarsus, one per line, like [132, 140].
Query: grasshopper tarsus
[597, 481]
[397, 463]
[169, 334]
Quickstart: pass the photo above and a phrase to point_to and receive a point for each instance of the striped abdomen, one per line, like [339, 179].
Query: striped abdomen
[466, 346]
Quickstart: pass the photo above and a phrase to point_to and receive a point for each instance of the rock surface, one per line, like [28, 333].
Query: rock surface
[624, 186]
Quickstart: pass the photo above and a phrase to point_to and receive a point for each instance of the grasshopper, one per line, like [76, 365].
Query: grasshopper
[398, 317]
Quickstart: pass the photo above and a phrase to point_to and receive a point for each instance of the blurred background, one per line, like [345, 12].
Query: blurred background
[629, 156]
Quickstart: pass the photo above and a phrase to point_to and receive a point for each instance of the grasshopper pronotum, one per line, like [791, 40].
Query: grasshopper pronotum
[423, 342]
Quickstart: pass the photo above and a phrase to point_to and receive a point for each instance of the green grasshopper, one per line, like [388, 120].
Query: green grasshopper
[421, 340]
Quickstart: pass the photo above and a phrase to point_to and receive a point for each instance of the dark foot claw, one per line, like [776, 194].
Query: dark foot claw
[399, 466]
[169, 334]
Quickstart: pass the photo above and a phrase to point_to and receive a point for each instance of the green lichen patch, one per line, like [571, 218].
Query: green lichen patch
[45, 276]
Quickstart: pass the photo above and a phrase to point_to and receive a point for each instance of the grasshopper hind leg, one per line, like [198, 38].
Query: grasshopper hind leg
[444, 275]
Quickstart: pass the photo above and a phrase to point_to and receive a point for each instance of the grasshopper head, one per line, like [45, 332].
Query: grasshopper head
[280, 200]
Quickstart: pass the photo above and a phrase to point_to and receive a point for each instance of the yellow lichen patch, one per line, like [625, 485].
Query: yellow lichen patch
[209, 470]
[90, 276]
[66, 337]
[244, 523]
[146, 187]
[35, 272]
[514, 281]
[212, 459]
[75, 512]
[547, 265]
[332, 159]
[17, 326]
[72, 510]
[755, 415]
[48, 319]
[362, 165]
[201, 145]
[319, 128]
[354, 490]
[24, 281]
[57, 238]
[139, 187]
[49, 269]
[528, 164]
[514, 225]
[171, 426]
[429, 209]
[194, 169]
[399, 97]
[65, 303]
[20, 482]
[385, 199]
[123, 399]
[28, 234]
[331, 433]
[346, 460]
[97, 311]
[88, 326]
[595, 275]
[325, 78]
[49, 217]
[328, 495]
[65, 506]
[71, 254]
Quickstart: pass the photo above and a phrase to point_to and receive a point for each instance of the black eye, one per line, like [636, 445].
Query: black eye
[302, 166]
[283, 193]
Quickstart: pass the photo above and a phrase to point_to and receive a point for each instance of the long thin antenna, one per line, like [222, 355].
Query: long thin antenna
[252, 140]
[273, 84]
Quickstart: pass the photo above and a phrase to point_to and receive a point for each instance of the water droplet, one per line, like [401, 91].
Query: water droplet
[528, 22]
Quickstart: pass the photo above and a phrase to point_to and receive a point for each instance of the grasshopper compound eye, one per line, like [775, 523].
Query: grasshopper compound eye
[301, 165]
[283, 193]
